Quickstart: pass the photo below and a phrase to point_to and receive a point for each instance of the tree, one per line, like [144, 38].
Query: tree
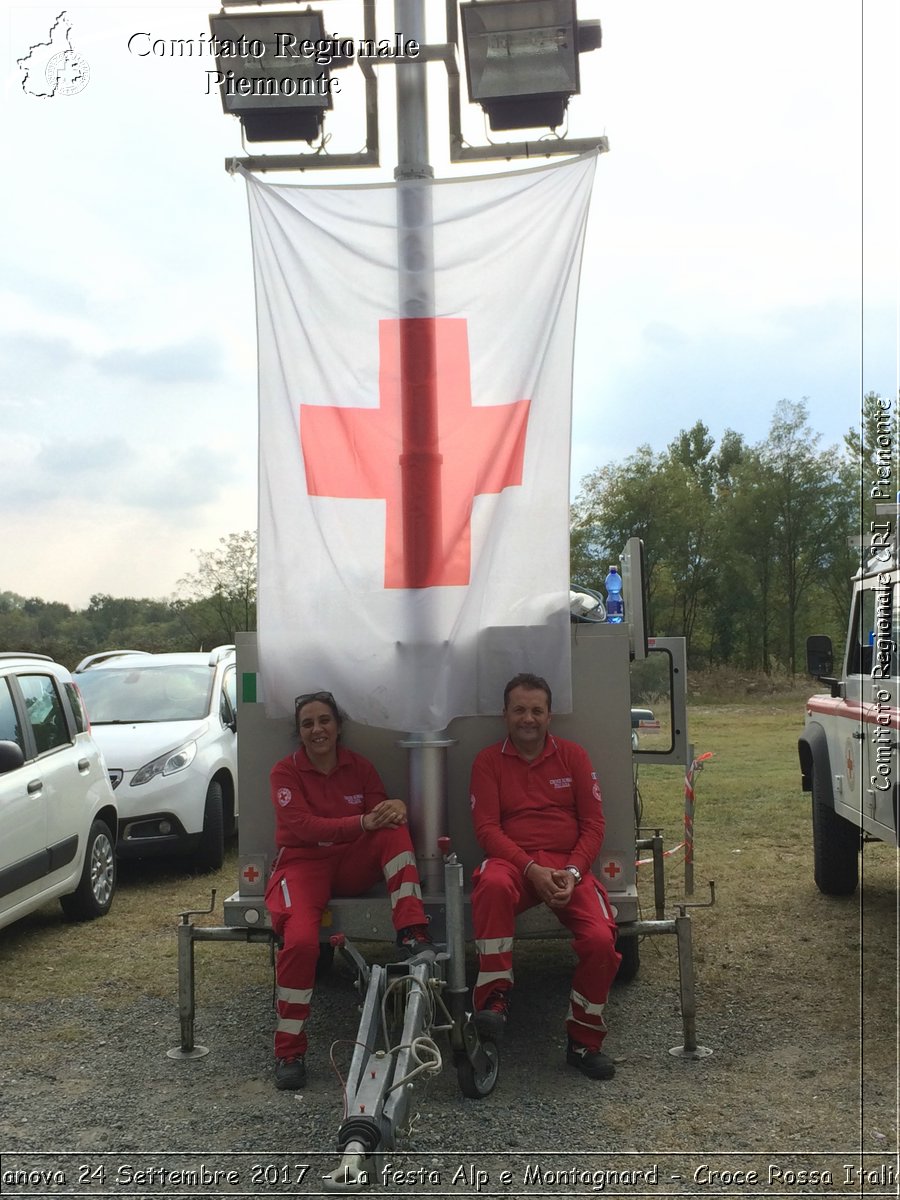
[727, 600]
[614, 504]
[667, 500]
[809, 507]
[748, 612]
[745, 545]
[687, 474]
[219, 598]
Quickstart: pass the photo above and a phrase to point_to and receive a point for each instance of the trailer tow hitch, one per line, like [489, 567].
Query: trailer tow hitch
[406, 1004]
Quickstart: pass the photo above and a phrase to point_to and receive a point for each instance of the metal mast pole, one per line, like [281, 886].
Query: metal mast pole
[420, 463]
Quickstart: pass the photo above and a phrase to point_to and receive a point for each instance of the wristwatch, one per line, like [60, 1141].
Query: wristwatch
[575, 873]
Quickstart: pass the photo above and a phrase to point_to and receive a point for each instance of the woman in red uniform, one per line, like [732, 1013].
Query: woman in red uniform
[337, 834]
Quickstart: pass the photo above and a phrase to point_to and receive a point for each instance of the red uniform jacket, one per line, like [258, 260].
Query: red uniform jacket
[551, 803]
[314, 811]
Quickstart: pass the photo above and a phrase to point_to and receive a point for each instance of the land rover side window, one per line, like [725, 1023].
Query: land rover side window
[10, 731]
[652, 718]
[862, 633]
[45, 712]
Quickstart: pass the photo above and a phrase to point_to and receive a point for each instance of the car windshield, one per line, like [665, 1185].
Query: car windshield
[151, 693]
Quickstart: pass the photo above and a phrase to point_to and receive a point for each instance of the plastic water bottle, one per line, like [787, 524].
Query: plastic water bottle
[615, 607]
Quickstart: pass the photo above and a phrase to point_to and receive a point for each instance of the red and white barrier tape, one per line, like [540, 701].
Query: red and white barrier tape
[687, 844]
[696, 765]
[642, 862]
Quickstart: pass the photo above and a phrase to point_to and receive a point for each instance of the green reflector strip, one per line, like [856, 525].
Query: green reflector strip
[248, 687]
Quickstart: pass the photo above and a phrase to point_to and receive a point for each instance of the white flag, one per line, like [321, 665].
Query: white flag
[415, 379]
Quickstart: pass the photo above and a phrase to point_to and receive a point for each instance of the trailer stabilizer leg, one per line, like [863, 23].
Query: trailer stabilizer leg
[689, 1048]
[188, 934]
[186, 1006]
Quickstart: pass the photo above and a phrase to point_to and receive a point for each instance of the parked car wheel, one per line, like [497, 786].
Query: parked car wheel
[96, 888]
[211, 851]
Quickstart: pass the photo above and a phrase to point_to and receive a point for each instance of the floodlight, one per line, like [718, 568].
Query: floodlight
[522, 59]
[273, 73]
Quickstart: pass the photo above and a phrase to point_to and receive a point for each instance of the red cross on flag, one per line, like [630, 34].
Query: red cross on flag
[414, 439]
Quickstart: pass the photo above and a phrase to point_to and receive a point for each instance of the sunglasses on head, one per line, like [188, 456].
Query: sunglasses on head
[308, 697]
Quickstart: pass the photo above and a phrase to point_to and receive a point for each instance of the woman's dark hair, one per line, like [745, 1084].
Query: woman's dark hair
[534, 683]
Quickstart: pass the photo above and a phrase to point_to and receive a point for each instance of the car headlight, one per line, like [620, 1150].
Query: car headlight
[166, 764]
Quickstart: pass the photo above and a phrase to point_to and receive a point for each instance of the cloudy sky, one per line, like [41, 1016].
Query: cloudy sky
[742, 249]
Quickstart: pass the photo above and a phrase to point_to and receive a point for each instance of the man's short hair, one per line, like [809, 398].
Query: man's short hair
[534, 683]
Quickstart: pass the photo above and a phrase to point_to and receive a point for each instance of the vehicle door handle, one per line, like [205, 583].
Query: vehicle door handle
[35, 786]
[84, 765]
[860, 737]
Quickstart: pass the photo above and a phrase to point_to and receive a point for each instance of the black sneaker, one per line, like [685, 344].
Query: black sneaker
[290, 1074]
[415, 944]
[490, 1021]
[592, 1063]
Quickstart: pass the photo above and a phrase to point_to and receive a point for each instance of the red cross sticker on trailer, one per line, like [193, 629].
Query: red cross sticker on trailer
[611, 869]
[251, 874]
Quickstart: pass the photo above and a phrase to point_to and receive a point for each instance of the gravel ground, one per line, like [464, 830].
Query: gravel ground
[795, 1081]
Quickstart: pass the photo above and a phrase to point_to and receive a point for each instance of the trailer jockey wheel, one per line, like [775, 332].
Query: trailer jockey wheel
[477, 1067]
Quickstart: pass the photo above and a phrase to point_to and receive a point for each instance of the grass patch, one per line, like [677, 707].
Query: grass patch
[133, 950]
[725, 685]
[770, 929]
[747, 796]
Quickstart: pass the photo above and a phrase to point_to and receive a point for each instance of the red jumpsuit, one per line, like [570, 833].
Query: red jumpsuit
[324, 851]
[546, 811]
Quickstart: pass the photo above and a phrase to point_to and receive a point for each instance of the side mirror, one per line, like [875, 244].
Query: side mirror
[819, 655]
[11, 757]
[820, 662]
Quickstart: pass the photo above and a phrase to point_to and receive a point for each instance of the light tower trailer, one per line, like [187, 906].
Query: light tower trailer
[848, 748]
[404, 1005]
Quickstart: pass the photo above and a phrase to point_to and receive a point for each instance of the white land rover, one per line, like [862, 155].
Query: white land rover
[848, 748]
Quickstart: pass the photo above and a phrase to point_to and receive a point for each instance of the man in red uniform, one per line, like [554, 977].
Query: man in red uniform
[338, 833]
[538, 817]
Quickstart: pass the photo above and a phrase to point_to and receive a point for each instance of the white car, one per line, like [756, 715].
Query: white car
[167, 726]
[57, 809]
